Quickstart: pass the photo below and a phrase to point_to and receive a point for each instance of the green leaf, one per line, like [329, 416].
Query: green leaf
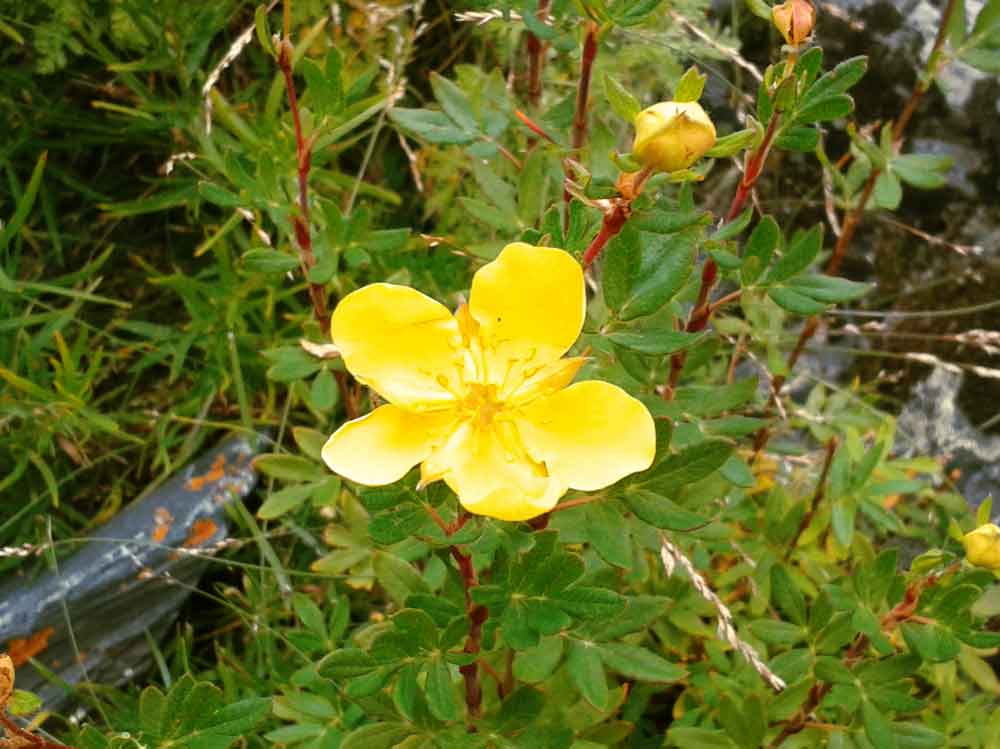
[500, 192]
[454, 102]
[787, 596]
[376, 736]
[888, 192]
[877, 728]
[932, 643]
[263, 260]
[842, 520]
[923, 171]
[282, 502]
[289, 467]
[386, 240]
[309, 614]
[487, 214]
[809, 65]
[589, 603]
[324, 88]
[434, 127]
[397, 576]
[759, 249]
[988, 18]
[643, 271]
[262, 30]
[690, 86]
[744, 720]
[802, 139]
[776, 632]
[829, 289]
[985, 511]
[794, 302]
[440, 691]
[691, 464]
[622, 102]
[219, 195]
[608, 534]
[799, 255]
[587, 673]
[346, 664]
[661, 512]
[709, 400]
[735, 227]
[629, 14]
[837, 81]
[152, 712]
[236, 719]
[520, 709]
[323, 392]
[9, 229]
[732, 144]
[310, 441]
[760, 8]
[23, 703]
[656, 342]
[639, 663]
[536, 664]
[828, 108]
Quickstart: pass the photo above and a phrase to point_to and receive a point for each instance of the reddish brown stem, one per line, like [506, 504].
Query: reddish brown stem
[533, 126]
[582, 100]
[300, 222]
[613, 222]
[583, 87]
[701, 313]
[754, 168]
[477, 616]
[536, 59]
[703, 309]
[817, 499]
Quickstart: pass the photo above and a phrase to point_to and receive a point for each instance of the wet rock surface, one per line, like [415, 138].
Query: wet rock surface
[939, 252]
[93, 615]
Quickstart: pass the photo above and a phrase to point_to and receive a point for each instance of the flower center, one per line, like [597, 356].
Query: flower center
[481, 403]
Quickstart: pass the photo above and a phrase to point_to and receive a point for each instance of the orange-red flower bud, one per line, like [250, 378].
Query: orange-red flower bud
[795, 20]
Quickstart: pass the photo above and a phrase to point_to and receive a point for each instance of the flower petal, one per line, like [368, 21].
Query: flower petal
[530, 304]
[381, 447]
[589, 435]
[401, 343]
[491, 474]
[549, 379]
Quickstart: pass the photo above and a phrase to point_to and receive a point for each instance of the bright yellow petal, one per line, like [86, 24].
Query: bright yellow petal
[589, 435]
[401, 343]
[530, 304]
[549, 379]
[491, 474]
[381, 447]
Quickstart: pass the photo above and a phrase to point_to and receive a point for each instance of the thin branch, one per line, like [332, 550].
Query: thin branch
[587, 56]
[300, 222]
[817, 499]
[536, 59]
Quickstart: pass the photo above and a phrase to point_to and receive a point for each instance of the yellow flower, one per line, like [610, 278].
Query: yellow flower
[982, 546]
[672, 135]
[480, 398]
[795, 20]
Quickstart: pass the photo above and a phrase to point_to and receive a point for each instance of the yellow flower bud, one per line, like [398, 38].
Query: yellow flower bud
[982, 546]
[795, 20]
[672, 135]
